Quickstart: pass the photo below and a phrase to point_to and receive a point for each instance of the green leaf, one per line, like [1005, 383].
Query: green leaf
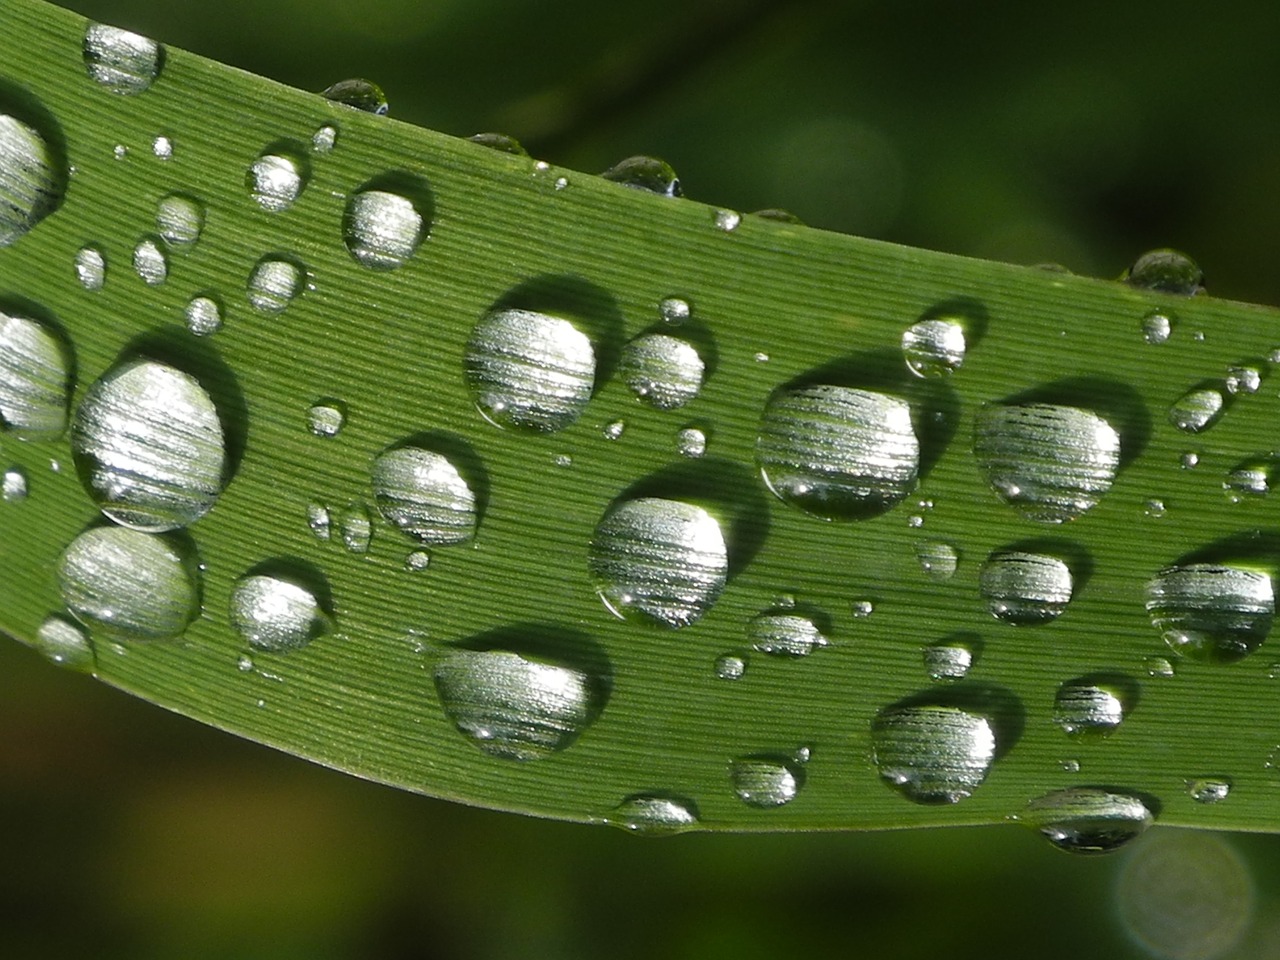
[385, 663]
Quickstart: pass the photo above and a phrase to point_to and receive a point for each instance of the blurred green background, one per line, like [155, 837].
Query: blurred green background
[1079, 133]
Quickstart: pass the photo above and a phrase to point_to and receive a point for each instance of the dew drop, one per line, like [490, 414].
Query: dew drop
[129, 584]
[645, 173]
[179, 220]
[1090, 705]
[614, 429]
[120, 151]
[500, 142]
[691, 442]
[276, 179]
[416, 561]
[1051, 463]
[1154, 509]
[66, 644]
[1250, 478]
[1243, 379]
[1197, 409]
[1156, 327]
[1158, 667]
[35, 380]
[326, 417]
[516, 707]
[1189, 460]
[318, 520]
[1165, 271]
[784, 633]
[655, 815]
[356, 527]
[324, 139]
[1211, 611]
[361, 94]
[120, 61]
[663, 371]
[423, 494]
[764, 782]
[1087, 819]
[932, 753]
[276, 613]
[1208, 789]
[1025, 588]
[528, 370]
[150, 261]
[938, 559]
[273, 283]
[726, 220]
[91, 267]
[658, 561]
[31, 181]
[862, 608]
[149, 446]
[381, 229]
[162, 148]
[730, 666]
[244, 663]
[948, 659]
[204, 316]
[934, 348]
[674, 310]
[778, 216]
[13, 486]
[836, 452]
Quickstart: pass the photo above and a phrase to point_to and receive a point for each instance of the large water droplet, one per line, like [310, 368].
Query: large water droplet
[1197, 409]
[120, 61]
[764, 782]
[381, 228]
[424, 494]
[65, 644]
[277, 178]
[1025, 588]
[514, 706]
[1088, 819]
[1050, 462]
[359, 93]
[179, 219]
[1212, 611]
[1091, 705]
[31, 181]
[836, 452]
[1165, 271]
[645, 173]
[273, 283]
[784, 633]
[664, 371]
[530, 370]
[659, 561]
[150, 262]
[938, 559]
[276, 612]
[129, 584]
[932, 752]
[35, 365]
[934, 348]
[91, 267]
[654, 814]
[149, 446]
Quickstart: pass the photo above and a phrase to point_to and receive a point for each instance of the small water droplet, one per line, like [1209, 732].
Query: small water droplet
[645, 173]
[129, 584]
[356, 527]
[727, 220]
[1050, 462]
[318, 520]
[500, 142]
[358, 93]
[1197, 409]
[730, 666]
[1208, 789]
[150, 261]
[1211, 611]
[179, 220]
[778, 216]
[204, 316]
[784, 633]
[1157, 326]
[762, 357]
[674, 310]
[655, 815]
[382, 229]
[614, 430]
[934, 348]
[65, 644]
[91, 267]
[35, 386]
[1157, 666]
[1243, 379]
[691, 442]
[1154, 509]
[948, 659]
[1070, 766]
[277, 178]
[120, 61]
[1189, 460]
[1165, 271]
[664, 371]
[14, 485]
[563, 460]
[1250, 478]
[1025, 588]
[424, 495]
[516, 707]
[120, 151]
[324, 139]
[658, 561]
[276, 613]
[162, 147]
[416, 561]
[938, 559]
[836, 452]
[863, 608]
[1091, 705]
[561, 182]
[244, 663]
[764, 782]
[273, 283]
[932, 752]
[1087, 819]
[149, 446]
[326, 417]
[528, 370]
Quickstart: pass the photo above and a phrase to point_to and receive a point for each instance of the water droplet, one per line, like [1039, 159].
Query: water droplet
[1251, 477]
[162, 148]
[32, 178]
[356, 527]
[1091, 705]
[674, 310]
[1197, 409]
[1070, 766]
[1087, 819]
[516, 707]
[528, 370]
[500, 142]
[938, 559]
[120, 151]
[658, 561]
[1208, 789]
[691, 442]
[416, 561]
[149, 446]
[1158, 666]
[784, 633]
[35, 385]
[382, 229]
[14, 485]
[361, 94]
[179, 220]
[762, 357]
[326, 417]
[726, 220]
[1165, 271]
[932, 752]
[645, 173]
[1211, 611]
[65, 644]
[863, 608]
[273, 284]
[1189, 460]
[129, 584]
[423, 494]
[614, 430]
[150, 262]
[764, 782]
[121, 61]
[324, 139]
[1025, 588]
[664, 371]
[651, 814]
[730, 666]
[277, 178]
[276, 613]
[934, 348]
[948, 659]
[1243, 379]
[778, 216]
[204, 316]
[1157, 326]
[1050, 462]
[1154, 509]
[836, 452]
[318, 520]
[91, 267]
[244, 663]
